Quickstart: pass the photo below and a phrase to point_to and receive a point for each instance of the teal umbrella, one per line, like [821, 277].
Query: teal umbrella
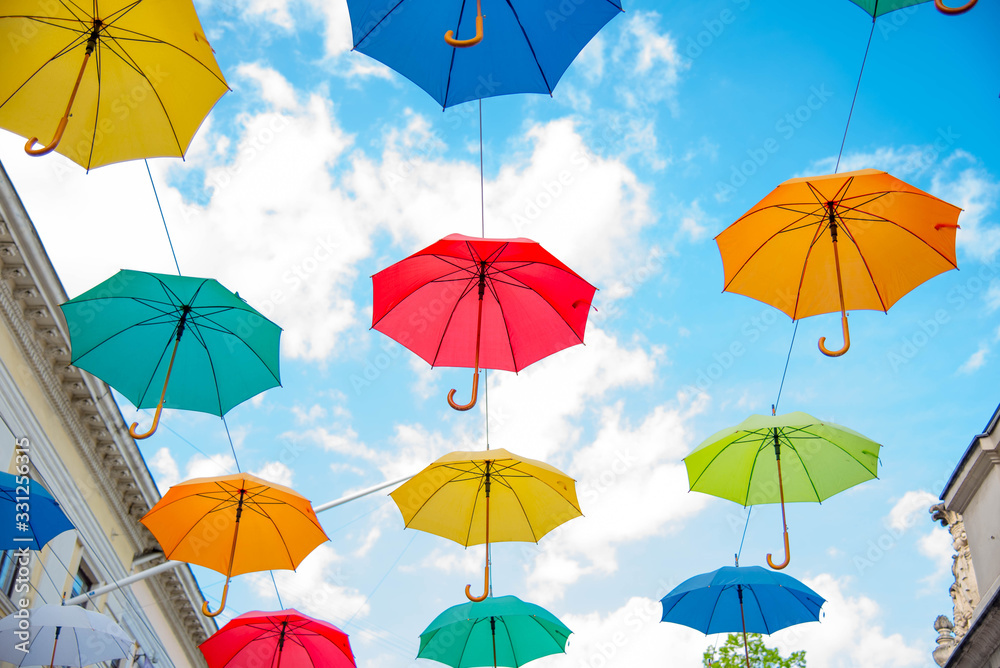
[204, 345]
[501, 631]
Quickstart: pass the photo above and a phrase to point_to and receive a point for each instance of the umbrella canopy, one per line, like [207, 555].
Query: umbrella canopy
[63, 635]
[30, 526]
[525, 47]
[857, 240]
[138, 330]
[235, 524]
[877, 8]
[750, 599]
[744, 463]
[273, 639]
[502, 631]
[451, 498]
[152, 81]
[481, 303]
[529, 498]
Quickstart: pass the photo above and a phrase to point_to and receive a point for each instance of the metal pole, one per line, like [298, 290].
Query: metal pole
[155, 570]
[357, 495]
[166, 566]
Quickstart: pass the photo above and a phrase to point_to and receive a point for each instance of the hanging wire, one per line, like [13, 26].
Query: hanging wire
[231, 446]
[162, 217]
[855, 98]
[281, 606]
[482, 175]
[391, 569]
[93, 554]
[774, 407]
[740, 551]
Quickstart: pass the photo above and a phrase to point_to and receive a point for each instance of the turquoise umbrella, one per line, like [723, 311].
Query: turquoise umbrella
[501, 631]
[204, 345]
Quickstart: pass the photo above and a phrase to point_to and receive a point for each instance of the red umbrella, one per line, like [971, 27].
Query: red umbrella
[272, 639]
[482, 303]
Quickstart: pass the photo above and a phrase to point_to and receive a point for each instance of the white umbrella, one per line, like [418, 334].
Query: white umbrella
[61, 635]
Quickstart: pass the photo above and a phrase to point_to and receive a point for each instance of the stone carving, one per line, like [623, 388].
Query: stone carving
[945, 640]
[964, 591]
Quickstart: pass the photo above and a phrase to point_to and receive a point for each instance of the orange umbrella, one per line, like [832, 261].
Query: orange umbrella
[856, 240]
[235, 524]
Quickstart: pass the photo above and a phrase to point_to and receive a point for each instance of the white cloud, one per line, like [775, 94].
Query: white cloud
[975, 361]
[850, 632]
[649, 59]
[344, 441]
[909, 510]
[318, 587]
[632, 635]
[626, 467]
[993, 296]
[310, 415]
[274, 88]
[165, 467]
[276, 472]
[200, 466]
[937, 546]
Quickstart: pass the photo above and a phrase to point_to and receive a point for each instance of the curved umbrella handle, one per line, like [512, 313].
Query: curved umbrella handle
[449, 36]
[222, 604]
[30, 149]
[945, 9]
[788, 556]
[472, 402]
[486, 587]
[156, 422]
[847, 340]
[163, 395]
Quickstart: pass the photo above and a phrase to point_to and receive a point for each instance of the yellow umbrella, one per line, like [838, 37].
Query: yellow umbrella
[856, 240]
[139, 75]
[487, 496]
[235, 524]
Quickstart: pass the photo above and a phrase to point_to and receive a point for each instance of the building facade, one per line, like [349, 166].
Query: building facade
[970, 508]
[79, 448]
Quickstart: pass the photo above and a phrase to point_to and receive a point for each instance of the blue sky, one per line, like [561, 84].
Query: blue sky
[322, 167]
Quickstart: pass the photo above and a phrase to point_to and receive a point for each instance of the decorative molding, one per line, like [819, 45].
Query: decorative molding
[30, 294]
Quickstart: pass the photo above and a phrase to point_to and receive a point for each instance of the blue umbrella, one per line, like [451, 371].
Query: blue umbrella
[521, 46]
[748, 599]
[30, 516]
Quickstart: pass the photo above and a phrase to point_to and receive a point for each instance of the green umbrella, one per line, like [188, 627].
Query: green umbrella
[744, 463]
[138, 331]
[501, 631]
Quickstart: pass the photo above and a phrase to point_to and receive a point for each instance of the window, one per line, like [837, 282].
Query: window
[8, 572]
[83, 581]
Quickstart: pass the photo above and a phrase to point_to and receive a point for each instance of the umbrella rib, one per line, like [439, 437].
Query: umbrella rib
[531, 47]
[134, 65]
[375, 27]
[453, 276]
[506, 325]
[846, 452]
[520, 505]
[763, 243]
[135, 36]
[510, 641]
[451, 316]
[437, 491]
[79, 39]
[451, 61]
[763, 619]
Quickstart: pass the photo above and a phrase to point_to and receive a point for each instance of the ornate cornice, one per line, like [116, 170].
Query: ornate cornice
[30, 293]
